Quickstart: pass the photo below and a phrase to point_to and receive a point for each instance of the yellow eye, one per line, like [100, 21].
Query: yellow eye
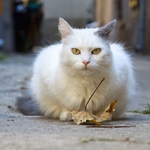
[76, 51]
[96, 51]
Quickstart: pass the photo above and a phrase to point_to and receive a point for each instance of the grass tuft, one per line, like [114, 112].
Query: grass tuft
[147, 110]
[2, 57]
[136, 111]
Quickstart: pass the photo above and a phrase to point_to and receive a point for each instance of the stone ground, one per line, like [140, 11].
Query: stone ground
[18, 132]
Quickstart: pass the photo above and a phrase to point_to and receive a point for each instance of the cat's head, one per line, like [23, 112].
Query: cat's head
[86, 50]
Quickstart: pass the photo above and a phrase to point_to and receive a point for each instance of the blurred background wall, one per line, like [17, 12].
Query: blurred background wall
[133, 21]
[33, 22]
[6, 27]
[77, 12]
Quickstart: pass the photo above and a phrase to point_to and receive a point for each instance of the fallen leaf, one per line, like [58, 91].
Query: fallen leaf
[86, 117]
[107, 114]
[82, 117]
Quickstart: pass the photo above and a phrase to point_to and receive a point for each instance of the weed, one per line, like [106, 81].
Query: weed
[136, 111]
[2, 57]
[147, 110]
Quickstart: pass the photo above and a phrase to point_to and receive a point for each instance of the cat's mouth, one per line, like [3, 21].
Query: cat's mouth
[85, 69]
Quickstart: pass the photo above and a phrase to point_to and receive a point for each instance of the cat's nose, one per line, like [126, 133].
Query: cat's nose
[85, 62]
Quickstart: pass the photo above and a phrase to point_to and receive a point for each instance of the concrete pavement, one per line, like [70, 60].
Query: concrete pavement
[18, 132]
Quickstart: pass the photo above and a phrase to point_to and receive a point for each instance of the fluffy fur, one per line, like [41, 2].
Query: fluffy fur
[61, 82]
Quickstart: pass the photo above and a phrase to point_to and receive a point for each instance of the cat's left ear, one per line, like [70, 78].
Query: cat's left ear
[64, 28]
[107, 30]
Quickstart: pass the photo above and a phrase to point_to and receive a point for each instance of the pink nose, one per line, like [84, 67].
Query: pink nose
[85, 62]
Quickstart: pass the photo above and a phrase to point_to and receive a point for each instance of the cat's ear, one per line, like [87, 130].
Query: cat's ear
[64, 28]
[106, 31]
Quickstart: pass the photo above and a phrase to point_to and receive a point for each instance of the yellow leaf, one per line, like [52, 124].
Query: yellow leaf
[85, 117]
[107, 114]
[81, 117]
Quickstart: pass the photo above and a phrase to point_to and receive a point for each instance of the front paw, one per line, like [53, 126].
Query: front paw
[65, 116]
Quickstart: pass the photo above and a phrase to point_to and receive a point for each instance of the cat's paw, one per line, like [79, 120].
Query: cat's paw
[65, 116]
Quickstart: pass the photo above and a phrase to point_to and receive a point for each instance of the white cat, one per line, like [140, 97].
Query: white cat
[66, 74]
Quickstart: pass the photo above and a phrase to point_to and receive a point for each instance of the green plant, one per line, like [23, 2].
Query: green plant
[2, 57]
[136, 111]
[147, 111]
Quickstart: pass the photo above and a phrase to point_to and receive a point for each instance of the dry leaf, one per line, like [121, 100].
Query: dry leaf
[85, 117]
[81, 117]
[107, 114]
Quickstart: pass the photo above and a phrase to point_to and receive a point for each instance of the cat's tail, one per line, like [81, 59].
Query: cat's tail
[28, 106]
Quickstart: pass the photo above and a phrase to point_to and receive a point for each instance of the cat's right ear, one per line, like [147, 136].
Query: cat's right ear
[64, 28]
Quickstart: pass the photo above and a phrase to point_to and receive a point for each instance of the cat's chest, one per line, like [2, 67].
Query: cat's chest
[82, 86]
[78, 93]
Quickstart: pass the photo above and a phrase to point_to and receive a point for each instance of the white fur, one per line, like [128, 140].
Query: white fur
[61, 83]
